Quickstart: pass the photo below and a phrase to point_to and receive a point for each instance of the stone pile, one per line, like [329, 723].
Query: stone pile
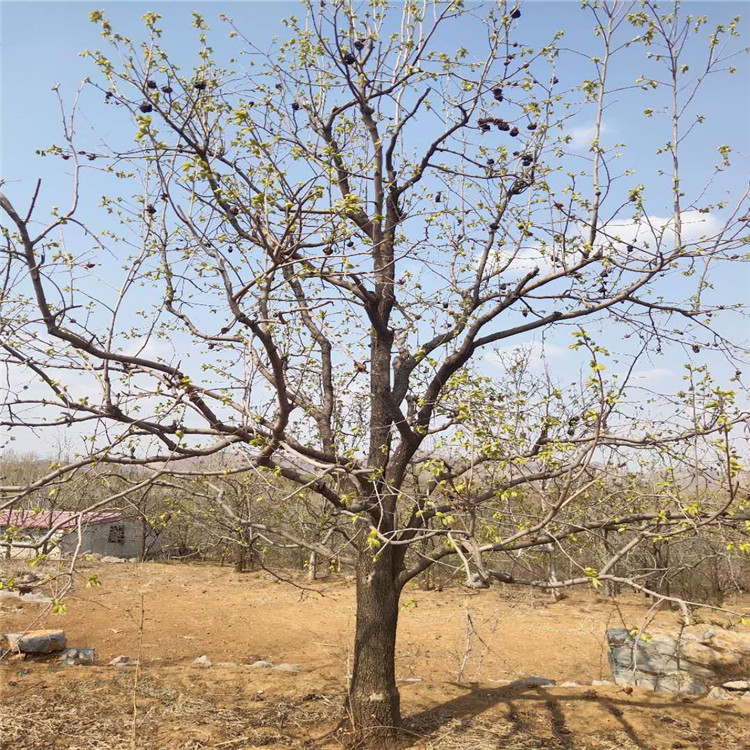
[45, 643]
[73, 657]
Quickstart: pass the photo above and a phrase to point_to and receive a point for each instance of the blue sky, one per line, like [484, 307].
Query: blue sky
[41, 42]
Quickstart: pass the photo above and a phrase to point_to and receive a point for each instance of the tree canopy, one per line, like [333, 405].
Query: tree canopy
[319, 260]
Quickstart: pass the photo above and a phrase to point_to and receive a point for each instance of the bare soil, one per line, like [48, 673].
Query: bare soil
[452, 698]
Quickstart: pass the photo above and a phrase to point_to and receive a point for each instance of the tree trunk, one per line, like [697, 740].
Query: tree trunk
[312, 566]
[374, 701]
[555, 593]
[239, 558]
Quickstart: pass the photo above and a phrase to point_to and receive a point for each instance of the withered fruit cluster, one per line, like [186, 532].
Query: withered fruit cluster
[485, 124]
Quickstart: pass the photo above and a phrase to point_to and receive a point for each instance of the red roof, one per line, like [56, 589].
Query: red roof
[62, 519]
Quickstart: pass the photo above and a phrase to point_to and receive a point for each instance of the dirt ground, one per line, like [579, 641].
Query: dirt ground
[456, 653]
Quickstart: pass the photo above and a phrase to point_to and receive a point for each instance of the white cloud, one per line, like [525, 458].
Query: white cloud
[151, 348]
[659, 231]
[582, 136]
[528, 259]
[519, 262]
[650, 233]
[536, 352]
[655, 373]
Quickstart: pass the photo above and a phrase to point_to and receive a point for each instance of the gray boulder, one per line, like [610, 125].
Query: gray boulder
[35, 596]
[737, 685]
[690, 662]
[719, 694]
[36, 641]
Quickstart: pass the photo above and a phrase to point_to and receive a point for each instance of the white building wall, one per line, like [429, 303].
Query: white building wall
[95, 539]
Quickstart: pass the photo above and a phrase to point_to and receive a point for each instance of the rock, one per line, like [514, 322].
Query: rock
[688, 662]
[718, 693]
[202, 661]
[123, 661]
[737, 685]
[288, 668]
[112, 559]
[27, 596]
[602, 683]
[262, 664]
[28, 578]
[703, 655]
[570, 684]
[36, 641]
[77, 656]
[533, 681]
[33, 596]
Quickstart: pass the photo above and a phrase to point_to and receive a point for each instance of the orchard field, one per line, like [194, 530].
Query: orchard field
[495, 639]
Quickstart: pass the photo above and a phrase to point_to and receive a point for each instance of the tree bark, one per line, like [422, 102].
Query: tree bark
[239, 558]
[555, 593]
[374, 701]
[312, 566]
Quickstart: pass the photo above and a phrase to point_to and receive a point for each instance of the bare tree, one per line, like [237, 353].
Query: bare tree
[316, 253]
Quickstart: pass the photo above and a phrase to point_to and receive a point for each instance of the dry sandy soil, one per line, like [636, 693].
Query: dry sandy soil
[237, 619]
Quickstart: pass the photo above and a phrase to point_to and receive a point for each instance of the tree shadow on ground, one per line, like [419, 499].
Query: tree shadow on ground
[461, 711]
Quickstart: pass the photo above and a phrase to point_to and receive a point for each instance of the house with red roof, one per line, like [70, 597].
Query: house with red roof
[62, 533]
